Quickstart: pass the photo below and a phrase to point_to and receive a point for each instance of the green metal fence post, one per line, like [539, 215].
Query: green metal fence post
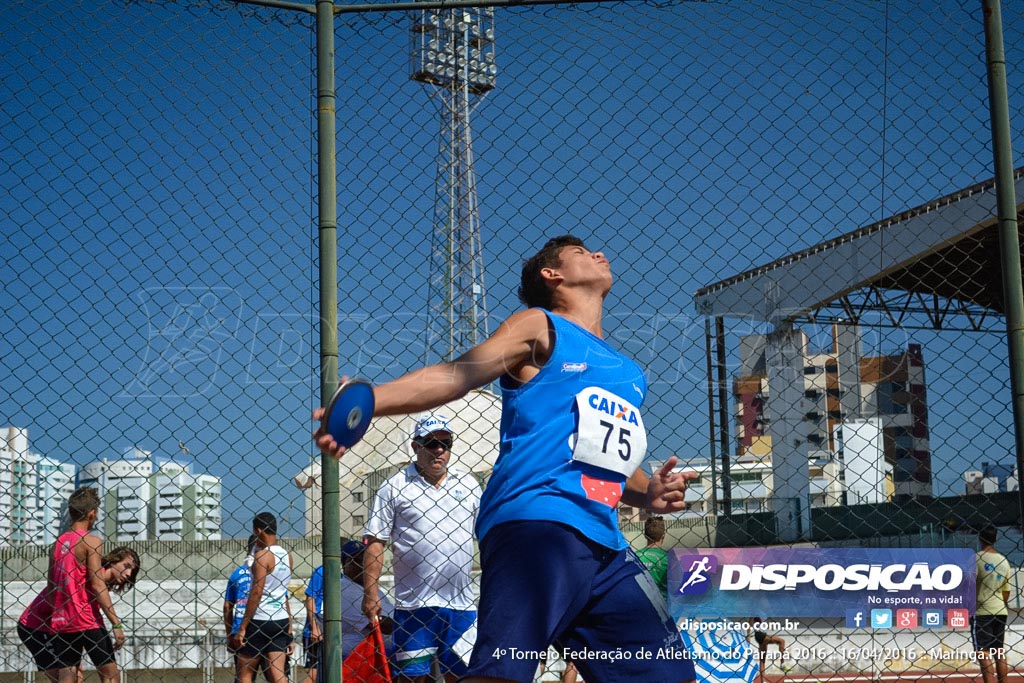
[1006, 202]
[328, 210]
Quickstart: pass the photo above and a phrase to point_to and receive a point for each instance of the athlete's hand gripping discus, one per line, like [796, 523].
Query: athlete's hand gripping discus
[349, 412]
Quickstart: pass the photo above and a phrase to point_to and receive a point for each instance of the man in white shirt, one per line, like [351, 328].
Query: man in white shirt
[427, 512]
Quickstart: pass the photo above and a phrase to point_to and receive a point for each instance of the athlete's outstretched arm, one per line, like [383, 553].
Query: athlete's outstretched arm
[517, 348]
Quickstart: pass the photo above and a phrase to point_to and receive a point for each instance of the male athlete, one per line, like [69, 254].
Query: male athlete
[555, 567]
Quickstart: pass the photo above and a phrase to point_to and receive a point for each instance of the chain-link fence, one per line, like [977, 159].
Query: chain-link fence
[796, 199]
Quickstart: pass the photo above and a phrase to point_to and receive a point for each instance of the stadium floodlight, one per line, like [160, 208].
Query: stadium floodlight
[461, 35]
[453, 56]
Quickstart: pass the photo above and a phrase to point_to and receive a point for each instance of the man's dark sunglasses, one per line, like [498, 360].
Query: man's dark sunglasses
[434, 443]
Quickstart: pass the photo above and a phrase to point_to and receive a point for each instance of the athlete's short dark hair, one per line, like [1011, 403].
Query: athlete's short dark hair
[654, 528]
[82, 502]
[265, 521]
[533, 290]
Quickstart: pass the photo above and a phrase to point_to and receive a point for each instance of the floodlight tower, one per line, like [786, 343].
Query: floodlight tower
[453, 53]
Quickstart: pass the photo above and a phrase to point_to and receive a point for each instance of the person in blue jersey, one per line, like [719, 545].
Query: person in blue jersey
[236, 595]
[237, 592]
[556, 569]
[354, 626]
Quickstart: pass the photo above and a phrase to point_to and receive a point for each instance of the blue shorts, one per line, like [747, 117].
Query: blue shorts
[422, 634]
[544, 584]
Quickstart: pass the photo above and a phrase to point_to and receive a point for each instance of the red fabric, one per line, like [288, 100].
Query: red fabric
[367, 663]
[36, 616]
[607, 492]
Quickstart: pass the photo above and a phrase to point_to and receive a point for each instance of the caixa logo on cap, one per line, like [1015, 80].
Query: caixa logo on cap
[697, 571]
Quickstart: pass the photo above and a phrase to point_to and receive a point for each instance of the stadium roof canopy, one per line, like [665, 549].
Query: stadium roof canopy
[939, 260]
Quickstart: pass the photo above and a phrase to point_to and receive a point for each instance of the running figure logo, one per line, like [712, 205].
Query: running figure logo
[696, 571]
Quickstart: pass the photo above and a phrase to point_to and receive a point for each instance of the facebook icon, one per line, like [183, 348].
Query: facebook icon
[855, 618]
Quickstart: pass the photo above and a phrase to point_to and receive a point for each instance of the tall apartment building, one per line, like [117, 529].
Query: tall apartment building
[867, 473]
[893, 390]
[56, 484]
[187, 506]
[24, 498]
[13, 451]
[146, 499]
[33, 489]
[844, 394]
[6, 484]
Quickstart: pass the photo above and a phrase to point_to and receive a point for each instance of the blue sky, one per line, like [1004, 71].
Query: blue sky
[159, 211]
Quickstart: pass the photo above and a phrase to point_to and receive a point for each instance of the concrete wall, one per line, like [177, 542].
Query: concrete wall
[204, 560]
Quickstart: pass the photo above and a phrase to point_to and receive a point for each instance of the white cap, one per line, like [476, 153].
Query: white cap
[428, 424]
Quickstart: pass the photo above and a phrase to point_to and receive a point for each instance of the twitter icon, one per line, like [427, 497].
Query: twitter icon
[881, 618]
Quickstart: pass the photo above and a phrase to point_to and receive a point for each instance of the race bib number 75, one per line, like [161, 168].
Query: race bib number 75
[611, 433]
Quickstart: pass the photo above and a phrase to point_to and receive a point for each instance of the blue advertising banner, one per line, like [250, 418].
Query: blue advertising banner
[869, 587]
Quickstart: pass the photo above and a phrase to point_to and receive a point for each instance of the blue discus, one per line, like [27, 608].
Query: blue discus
[349, 413]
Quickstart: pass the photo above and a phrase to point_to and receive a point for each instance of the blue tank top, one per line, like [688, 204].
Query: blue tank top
[586, 393]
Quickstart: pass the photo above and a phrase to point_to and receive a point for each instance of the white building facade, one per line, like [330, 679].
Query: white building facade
[147, 499]
[867, 473]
